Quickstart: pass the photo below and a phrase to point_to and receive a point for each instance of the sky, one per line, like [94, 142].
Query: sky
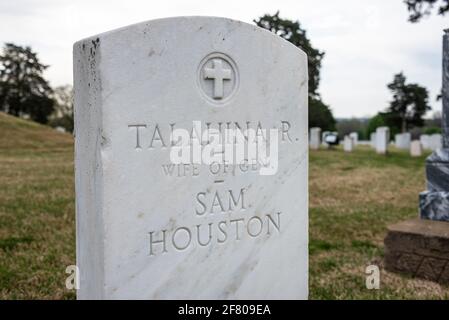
[365, 42]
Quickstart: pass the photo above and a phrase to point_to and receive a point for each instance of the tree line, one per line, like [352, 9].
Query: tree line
[24, 92]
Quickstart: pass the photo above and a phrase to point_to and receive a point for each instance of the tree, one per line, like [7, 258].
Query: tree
[347, 126]
[420, 8]
[374, 123]
[409, 105]
[63, 112]
[23, 90]
[320, 115]
[292, 32]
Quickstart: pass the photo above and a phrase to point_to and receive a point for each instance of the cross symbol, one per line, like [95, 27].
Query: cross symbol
[219, 75]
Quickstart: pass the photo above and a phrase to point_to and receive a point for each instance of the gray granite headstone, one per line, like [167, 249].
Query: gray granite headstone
[434, 203]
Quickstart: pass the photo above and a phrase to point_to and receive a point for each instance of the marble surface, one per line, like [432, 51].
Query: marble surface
[434, 205]
[150, 229]
[437, 170]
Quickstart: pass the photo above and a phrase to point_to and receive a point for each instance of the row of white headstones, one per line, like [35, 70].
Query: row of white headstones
[380, 141]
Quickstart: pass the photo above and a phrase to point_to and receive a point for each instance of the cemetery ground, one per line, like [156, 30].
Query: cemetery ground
[353, 197]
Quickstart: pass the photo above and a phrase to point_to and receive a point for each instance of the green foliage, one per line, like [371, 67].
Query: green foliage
[409, 105]
[374, 123]
[292, 32]
[320, 115]
[420, 8]
[23, 90]
[432, 130]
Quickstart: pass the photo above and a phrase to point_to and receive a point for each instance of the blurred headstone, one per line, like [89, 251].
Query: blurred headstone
[415, 148]
[348, 144]
[382, 140]
[315, 138]
[323, 138]
[425, 141]
[355, 137]
[403, 140]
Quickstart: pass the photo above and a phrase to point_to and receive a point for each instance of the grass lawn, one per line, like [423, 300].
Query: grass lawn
[353, 197]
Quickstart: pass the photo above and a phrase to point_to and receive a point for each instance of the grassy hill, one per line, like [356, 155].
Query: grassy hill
[353, 197]
[37, 223]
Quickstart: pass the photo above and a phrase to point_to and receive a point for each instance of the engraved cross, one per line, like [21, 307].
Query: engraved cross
[219, 74]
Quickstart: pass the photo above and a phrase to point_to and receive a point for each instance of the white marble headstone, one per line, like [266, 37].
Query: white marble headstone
[415, 148]
[403, 140]
[425, 141]
[436, 141]
[315, 138]
[348, 144]
[382, 139]
[355, 137]
[148, 228]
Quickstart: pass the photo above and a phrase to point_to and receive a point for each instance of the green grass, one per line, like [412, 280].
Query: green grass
[353, 197]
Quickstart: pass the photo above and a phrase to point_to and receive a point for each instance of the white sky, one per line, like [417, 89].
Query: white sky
[366, 42]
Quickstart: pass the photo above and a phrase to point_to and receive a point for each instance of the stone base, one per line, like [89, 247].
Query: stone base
[419, 248]
[434, 205]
